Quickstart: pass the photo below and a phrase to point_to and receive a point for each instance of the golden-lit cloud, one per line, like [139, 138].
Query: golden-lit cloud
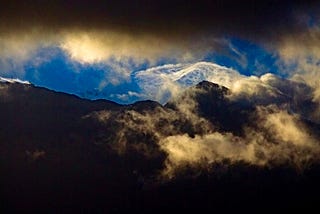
[287, 128]
[95, 31]
[19, 48]
[204, 150]
[280, 138]
[300, 45]
[99, 46]
[141, 47]
[299, 56]
[273, 136]
[93, 47]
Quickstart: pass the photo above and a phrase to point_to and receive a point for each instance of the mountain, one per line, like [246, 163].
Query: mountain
[165, 79]
[181, 75]
[61, 153]
[187, 74]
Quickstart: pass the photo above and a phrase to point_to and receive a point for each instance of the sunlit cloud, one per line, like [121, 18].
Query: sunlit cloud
[299, 58]
[100, 46]
[120, 52]
[18, 49]
[273, 136]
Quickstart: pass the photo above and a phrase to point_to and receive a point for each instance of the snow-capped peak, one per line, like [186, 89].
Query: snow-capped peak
[160, 82]
[204, 67]
[16, 80]
[188, 74]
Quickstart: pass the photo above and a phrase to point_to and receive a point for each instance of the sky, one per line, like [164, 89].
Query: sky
[105, 49]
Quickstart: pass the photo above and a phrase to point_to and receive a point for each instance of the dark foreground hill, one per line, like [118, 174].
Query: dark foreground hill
[60, 153]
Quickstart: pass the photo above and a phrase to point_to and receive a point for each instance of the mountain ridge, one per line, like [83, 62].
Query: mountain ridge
[102, 156]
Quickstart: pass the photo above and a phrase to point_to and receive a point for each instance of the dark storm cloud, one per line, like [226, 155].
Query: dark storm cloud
[150, 31]
[247, 17]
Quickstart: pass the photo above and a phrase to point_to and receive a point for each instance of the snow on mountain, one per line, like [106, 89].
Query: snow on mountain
[188, 74]
[164, 81]
[9, 80]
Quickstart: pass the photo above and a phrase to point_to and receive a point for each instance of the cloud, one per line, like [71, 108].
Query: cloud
[129, 96]
[286, 127]
[116, 54]
[119, 51]
[299, 57]
[123, 36]
[203, 150]
[156, 123]
[294, 93]
[276, 132]
[239, 57]
[102, 45]
[18, 49]
[301, 45]
[170, 80]
[174, 18]
[97, 31]
[279, 139]
[254, 86]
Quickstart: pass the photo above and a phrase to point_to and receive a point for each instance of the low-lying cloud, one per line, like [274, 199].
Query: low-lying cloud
[279, 138]
[277, 131]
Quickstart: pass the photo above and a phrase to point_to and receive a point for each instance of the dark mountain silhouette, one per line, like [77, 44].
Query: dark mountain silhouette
[213, 105]
[60, 153]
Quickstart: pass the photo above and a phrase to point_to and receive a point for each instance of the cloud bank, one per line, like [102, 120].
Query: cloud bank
[94, 32]
[276, 128]
[174, 18]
